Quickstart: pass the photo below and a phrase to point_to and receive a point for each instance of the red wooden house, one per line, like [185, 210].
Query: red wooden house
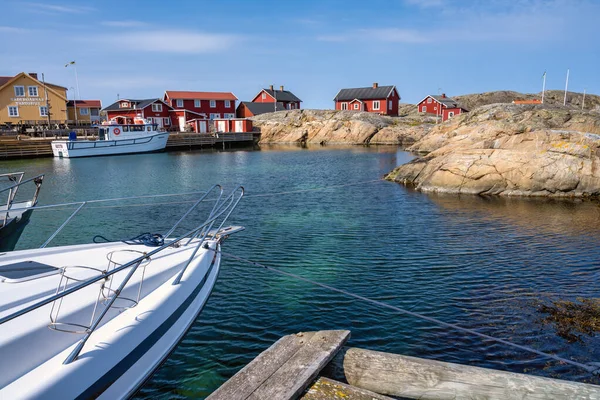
[248, 109]
[124, 110]
[442, 106]
[270, 95]
[187, 106]
[375, 99]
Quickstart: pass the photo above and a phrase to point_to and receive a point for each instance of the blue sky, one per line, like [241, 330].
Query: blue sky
[313, 48]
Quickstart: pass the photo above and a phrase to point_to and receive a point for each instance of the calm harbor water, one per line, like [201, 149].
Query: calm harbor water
[482, 263]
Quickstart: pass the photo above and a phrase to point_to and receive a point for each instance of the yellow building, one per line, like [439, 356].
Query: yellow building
[25, 100]
[84, 112]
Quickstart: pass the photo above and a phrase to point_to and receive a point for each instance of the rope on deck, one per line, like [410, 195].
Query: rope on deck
[592, 367]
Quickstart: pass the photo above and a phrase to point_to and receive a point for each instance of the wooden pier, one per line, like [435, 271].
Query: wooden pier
[11, 147]
[301, 366]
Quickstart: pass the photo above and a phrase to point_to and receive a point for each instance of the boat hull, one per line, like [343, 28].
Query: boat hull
[90, 148]
[122, 354]
[11, 232]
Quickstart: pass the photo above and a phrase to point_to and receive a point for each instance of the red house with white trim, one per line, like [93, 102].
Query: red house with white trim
[124, 110]
[285, 97]
[187, 106]
[374, 99]
[442, 106]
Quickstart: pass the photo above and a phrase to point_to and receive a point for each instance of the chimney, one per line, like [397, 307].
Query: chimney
[33, 75]
[270, 87]
[375, 85]
[281, 88]
[443, 95]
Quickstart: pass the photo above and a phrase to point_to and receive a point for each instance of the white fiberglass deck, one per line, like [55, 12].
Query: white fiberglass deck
[130, 342]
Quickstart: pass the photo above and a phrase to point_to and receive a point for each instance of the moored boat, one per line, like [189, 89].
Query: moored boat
[136, 135]
[15, 214]
[95, 320]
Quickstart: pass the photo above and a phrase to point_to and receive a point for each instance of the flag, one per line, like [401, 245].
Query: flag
[71, 63]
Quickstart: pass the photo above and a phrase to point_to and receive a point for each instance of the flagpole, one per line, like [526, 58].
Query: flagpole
[544, 87]
[583, 102]
[566, 88]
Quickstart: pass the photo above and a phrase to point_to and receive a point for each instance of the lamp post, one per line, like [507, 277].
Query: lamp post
[75, 105]
[77, 85]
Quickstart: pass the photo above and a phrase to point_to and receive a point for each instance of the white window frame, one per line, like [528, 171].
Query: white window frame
[215, 115]
[197, 103]
[429, 100]
[450, 114]
[264, 96]
[84, 111]
[35, 90]
[43, 111]
[213, 104]
[356, 106]
[435, 108]
[424, 109]
[376, 104]
[166, 121]
[157, 107]
[344, 106]
[179, 103]
[13, 108]
[22, 91]
[227, 103]
[228, 116]
[124, 104]
[390, 104]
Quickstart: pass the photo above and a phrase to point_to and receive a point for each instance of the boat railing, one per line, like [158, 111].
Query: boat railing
[17, 178]
[221, 210]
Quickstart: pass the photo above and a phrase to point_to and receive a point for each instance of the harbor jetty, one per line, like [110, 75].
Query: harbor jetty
[309, 365]
[19, 147]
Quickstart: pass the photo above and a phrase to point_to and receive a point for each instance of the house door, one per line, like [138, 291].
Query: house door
[181, 124]
[202, 126]
[239, 126]
[158, 122]
[221, 126]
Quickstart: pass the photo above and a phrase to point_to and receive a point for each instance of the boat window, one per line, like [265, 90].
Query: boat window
[154, 127]
[25, 271]
[148, 128]
[101, 134]
[125, 128]
[136, 128]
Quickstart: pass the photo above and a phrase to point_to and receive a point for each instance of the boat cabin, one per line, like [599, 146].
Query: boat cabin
[127, 129]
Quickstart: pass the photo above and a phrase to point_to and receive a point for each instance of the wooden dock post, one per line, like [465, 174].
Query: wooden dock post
[285, 369]
[417, 378]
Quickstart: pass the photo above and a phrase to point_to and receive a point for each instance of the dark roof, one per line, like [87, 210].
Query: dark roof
[447, 101]
[4, 79]
[282, 95]
[262, 108]
[86, 103]
[364, 93]
[139, 104]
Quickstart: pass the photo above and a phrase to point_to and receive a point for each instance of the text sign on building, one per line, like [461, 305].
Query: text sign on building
[27, 101]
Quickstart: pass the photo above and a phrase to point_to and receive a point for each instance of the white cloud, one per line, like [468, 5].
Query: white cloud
[167, 41]
[59, 9]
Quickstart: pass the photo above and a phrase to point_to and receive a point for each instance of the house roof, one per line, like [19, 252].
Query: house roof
[139, 104]
[5, 80]
[446, 101]
[282, 95]
[85, 103]
[364, 93]
[262, 108]
[175, 94]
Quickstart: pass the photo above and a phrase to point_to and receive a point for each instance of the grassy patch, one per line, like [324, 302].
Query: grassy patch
[573, 318]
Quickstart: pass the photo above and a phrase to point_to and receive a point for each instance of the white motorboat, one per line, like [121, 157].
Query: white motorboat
[139, 136]
[96, 320]
[14, 215]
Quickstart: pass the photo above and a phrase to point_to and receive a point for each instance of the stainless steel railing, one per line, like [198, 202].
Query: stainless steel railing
[13, 189]
[223, 207]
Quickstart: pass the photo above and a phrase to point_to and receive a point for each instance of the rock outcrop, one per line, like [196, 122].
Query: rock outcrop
[551, 97]
[506, 149]
[341, 127]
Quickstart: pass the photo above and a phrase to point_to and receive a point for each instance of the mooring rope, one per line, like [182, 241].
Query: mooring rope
[591, 367]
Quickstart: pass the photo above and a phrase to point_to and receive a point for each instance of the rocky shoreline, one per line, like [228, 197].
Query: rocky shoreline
[509, 150]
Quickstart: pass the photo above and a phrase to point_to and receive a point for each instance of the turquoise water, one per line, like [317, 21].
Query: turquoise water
[481, 263]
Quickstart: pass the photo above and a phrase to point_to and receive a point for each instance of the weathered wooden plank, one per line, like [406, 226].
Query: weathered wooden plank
[289, 381]
[328, 389]
[249, 378]
[417, 378]
[285, 369]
